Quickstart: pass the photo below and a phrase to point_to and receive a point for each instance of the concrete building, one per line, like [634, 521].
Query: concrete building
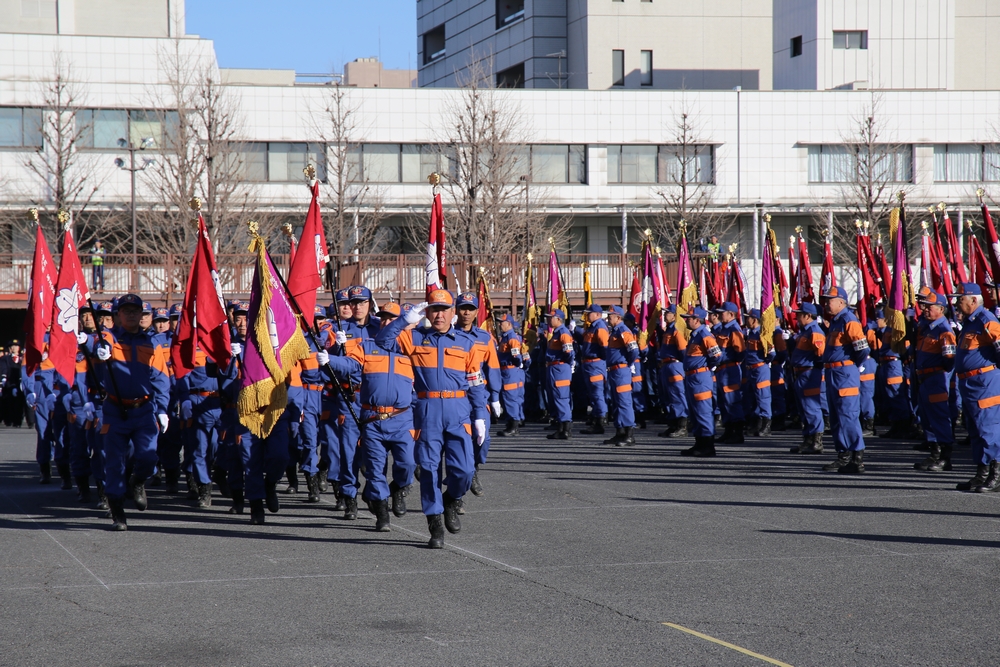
[112, 18]
[369, 73]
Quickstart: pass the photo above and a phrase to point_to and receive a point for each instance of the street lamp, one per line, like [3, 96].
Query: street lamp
[145, 143]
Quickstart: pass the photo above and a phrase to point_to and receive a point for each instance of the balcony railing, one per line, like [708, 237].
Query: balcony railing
[160, 279]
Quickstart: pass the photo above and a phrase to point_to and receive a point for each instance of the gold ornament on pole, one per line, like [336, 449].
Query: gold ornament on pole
[64, 219]
[309, 171]
[942, 206]
[287, 230]
[33, 215]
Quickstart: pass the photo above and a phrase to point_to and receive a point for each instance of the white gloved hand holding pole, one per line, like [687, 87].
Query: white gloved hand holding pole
[497, 409]
[162, 421]
[480, 431]
[103, 352]
[340, 337]
[322, 357]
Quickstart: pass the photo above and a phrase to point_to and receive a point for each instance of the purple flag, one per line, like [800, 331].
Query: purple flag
[274, 343]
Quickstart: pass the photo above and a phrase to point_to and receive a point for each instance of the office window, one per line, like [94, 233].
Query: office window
[850, 39]
[796, 46]
[420, 161]
[434, 44]
[634, 240]
[832, 163]
[578, 240]
[509, 11]
[691, 165]
[285, 161]
[102, 128]
[646, 68]
[966, 163]
[20, 127]
[380, 163]
[512, 77]
[617, 68]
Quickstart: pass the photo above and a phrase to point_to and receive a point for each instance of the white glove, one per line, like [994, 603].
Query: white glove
[572, 325]
[30, 399]
[497, 409]
[236, 349]
[162, 421]
[787, 335]
[341, 337]
[416, 313]
[187, 410]
[103, 352]
[88, 411]
[572, 368]
[322, 357]
[480, 431]
[82, 338]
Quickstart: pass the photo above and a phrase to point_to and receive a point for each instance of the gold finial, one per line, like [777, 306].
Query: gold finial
[858, 223]
[732, 248]
[530, 257]
[649, 233]
[657, 250]
[879, 238]
[791, 241]
[767, 218]
[980, 192]
[932, 209]
[968, 225]
[824, 232]
[33, 215]
[798, 229]
[942, 206]
[63, 218]
[309, 172]
[552, 242]
[482, 270]
[287, 229]
[195, 203]
[923, 226]
[682, 225]
[434, 179]
[901, 196]
[253, 228]
[868, 225]
[583, 265]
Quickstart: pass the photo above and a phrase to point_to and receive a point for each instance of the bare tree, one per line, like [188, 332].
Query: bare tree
[871, 169]
[687, 168]
[199, 132]
[354, 208]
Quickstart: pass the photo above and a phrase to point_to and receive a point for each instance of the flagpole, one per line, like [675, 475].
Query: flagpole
[331, 374]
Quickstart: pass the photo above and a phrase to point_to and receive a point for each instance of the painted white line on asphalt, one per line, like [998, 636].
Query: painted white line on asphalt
[471, 553]
[52, 537]
[734, 647]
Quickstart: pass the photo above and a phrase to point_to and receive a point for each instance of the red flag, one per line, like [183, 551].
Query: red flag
[71, 295]
[954, 253]
[981, 270]
[310, 261]
[804, 281]
[737, 289]
[827, 280]
[41, 295]
[291, 250]
[991, 239]
[941, 263]
[484, 318]
[793, 297]
[436, 272]
[203, 322]
[635, 297]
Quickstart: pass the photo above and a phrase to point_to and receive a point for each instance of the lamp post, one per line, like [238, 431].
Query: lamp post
[145, 143]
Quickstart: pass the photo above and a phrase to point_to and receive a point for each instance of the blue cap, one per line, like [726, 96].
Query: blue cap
[617, 310]
[161, 314]
[698, 312]
[104, 308]
[808, 309]
[595, 308]
[932, 298]
[331, 311]
[556, 312]
[343, 296]
[129, 300]
[175, 310]
[730, 307]
[879, 314]
[318, 311]
[147, 308]
[834, 293]
[629, 317]
[672, 308]
[467, 299]
[232, 303]
[970, 289]
[360, 293]
[754, 313]
[242, 308]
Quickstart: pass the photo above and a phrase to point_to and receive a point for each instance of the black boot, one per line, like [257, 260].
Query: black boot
[257, 512]
[339, 505]
[238, 502]
[826, 425]
[843, 458]
[45, 470]
[857, 464]
[868, 427]
[764, 428]
[616, 438]
[350, 508]
[476, 488]
[192, 486]
[436, 526]
[681, 430]
[898, 429]
[221, 477]
[204, 495]
[138, 488]
[640, 419]
[451, 520]
[117, 506]
[172, 478]
[271, 496]
[778, 423]
[510, 431]
[83, 488]
[381, 511]
[992, 482]
[813, 445]
[312, 487]
[65, 476]
[321, 480]
[102, 499]
[557, 434]
[944, 461]
[628, 439]
[704, 447]
[596, 427]
[292, 474]
[670, 430]
[398, 499]
[932, 459]
[564, 432]
[157, 478]
[982, 472]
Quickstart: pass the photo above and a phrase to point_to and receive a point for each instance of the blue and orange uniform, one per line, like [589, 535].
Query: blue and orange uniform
[513, 365]
[779, 390]
[700, 357]
[560, 358]
[312, 380]
[893, 382]
[80, 418]
[757, 375]
[807, 366]
[867, 372]
[670, 353]
[976, 362]
[846, 350]
[201, 408]
[933, 364]
[729, 374]
[593, 355]
[622, 353]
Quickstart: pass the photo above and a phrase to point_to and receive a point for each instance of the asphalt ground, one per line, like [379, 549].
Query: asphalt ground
[578, 554]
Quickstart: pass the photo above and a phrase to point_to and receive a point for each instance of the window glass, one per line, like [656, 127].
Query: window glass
[614, 164]
[578, 164]
[10, 126]
[109, 125]
[638, 164]
[646, 68]
[145, 125]
[381, 163]
[549, 164]
[617, 68]
[418, 162]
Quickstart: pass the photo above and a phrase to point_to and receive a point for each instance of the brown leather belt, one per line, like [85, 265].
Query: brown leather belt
[978, 371]
[838, 364]
[381, 413]
[441, 394]
[206, 394]
[129, 402]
